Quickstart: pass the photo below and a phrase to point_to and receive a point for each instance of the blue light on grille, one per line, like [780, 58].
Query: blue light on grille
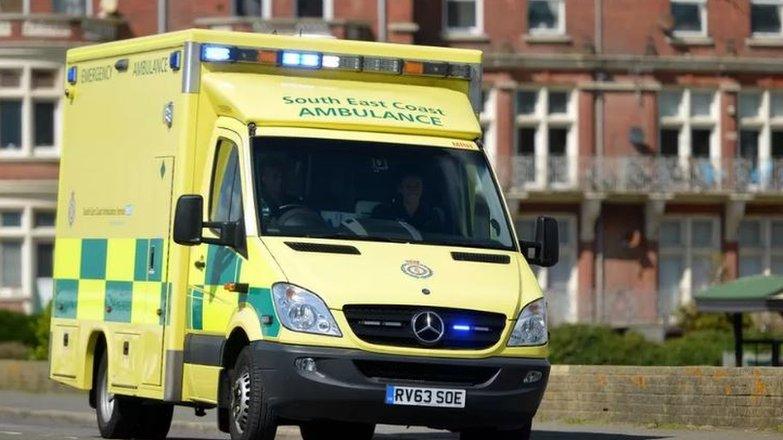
[461, 327]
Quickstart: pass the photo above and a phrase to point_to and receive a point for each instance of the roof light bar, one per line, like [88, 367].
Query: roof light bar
[307, 60]
[342, 62]
[218, 54]
[313, 60]
[382, 65]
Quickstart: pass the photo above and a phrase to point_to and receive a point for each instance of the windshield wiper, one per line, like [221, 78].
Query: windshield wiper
[347, 236]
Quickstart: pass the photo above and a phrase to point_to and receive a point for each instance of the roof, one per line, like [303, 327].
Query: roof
[748, 294]
[249, 39]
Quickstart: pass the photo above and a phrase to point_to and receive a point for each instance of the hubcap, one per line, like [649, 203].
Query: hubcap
[240, 401]
[105, 398]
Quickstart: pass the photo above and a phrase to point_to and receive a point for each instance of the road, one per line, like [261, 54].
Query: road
[66, 416]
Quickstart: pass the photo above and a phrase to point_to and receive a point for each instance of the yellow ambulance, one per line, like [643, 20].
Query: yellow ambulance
[291, 231]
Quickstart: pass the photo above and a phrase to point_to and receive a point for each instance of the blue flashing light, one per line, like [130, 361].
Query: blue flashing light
[217, 54]
[306, 60]
[72, 75]
[461, 327]
[175, 60]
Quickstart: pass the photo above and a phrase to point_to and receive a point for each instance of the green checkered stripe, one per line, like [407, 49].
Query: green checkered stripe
[118, 294]
[223, 265]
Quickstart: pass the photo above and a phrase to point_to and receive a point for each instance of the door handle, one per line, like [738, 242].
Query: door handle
[200, 265]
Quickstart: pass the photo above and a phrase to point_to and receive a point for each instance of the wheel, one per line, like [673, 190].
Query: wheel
[337, 430]
[522, 433]
[250, 417]
[117, 415]
[154, 421]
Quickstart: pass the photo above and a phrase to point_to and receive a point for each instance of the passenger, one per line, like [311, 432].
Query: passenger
[408, 206]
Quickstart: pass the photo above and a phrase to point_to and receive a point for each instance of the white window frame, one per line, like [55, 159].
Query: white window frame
[28, 96]
[477, 29]
[29, 236]
[568, 221]
[266, 8]
[779, 4]
[542, 121]
[765, 251]
[704, 16]
[328, 9]
[765, 122]
[560, 29]
[686, 250]
[488, 120]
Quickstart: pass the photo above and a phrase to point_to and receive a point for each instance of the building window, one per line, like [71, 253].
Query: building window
[761, 247]
[314, 9]
[29, 109]
[689, 259]
[690, 17]
[558, 282]
[546, 137]
[15, 6]
[760, 156]
[689, 135]
[72, 7]
[546, 16]
[765, 18]
[26, 237]
[463, 16]
[253, 8]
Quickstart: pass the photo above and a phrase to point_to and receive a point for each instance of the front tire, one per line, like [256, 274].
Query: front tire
[249, 415]
[337, 430]
[117, 415]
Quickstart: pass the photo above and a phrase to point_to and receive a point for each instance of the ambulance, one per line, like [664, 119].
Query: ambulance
[290, 231]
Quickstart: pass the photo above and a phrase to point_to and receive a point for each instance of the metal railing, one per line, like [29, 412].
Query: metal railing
[645, 174]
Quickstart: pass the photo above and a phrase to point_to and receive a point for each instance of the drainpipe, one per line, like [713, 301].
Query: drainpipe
[382, 20]
[598, 111]
[162, 16]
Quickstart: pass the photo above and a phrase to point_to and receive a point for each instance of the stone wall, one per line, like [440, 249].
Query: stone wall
[728, 397]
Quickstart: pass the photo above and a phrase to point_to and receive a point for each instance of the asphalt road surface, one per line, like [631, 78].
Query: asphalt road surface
[64, 416]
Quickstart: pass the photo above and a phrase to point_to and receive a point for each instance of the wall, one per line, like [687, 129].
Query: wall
[728, 397]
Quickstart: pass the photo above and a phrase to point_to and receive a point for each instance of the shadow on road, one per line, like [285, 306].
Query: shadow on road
[537, 435]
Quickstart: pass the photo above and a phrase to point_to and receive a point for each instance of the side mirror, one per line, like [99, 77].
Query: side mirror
[188, 225]
[545, 251]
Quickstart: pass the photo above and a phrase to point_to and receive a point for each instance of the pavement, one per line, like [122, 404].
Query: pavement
[68, 416]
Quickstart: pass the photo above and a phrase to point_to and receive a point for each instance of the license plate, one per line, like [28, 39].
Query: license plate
[414, 396]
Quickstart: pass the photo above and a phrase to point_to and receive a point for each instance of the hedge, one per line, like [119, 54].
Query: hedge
[595, 345]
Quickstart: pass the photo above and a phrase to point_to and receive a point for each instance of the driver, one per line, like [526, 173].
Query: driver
[272, 192]
[408, 206]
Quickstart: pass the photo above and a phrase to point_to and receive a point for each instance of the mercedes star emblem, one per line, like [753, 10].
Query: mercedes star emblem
[428, 327]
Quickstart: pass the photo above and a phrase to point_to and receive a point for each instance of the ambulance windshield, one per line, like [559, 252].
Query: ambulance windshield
[354, 190]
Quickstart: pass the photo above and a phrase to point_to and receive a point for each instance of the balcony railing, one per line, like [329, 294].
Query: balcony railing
[57, 27]
[646, 174]
[346, 29]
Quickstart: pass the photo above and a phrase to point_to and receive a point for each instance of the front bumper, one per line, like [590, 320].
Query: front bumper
[343, 388]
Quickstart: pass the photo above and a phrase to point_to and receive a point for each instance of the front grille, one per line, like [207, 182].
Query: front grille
[392, 325]
[434, 373]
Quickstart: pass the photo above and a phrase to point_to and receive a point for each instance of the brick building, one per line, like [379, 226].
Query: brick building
[652, 129]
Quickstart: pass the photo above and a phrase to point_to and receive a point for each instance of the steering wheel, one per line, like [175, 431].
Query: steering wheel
[298, 216]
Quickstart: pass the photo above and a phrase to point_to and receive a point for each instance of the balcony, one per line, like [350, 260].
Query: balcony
[646, 174]
[57, 27]
[344, 29]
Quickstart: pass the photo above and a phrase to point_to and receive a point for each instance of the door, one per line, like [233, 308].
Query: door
[210, 306]
[151, 280]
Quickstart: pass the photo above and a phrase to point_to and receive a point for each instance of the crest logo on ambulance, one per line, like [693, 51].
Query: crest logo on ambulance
[416, 269]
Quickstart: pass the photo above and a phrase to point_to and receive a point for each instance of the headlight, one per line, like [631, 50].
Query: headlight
[303, 311]
[530, 328]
